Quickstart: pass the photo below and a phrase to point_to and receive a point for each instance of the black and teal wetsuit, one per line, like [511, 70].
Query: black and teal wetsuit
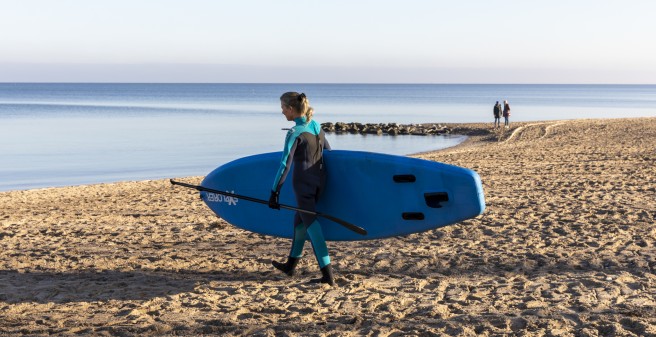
[304, 146]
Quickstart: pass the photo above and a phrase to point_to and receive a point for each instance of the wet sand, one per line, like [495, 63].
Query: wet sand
[566, 246]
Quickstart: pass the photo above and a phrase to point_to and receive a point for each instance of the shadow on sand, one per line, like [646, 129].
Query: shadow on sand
[90, 286]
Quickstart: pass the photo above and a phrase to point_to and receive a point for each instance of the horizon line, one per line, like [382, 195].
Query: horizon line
[305, 83]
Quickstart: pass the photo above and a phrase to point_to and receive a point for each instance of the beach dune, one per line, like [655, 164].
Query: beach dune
[566, 246]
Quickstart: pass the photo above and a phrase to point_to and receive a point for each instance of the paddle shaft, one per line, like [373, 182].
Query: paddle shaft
[347, 225]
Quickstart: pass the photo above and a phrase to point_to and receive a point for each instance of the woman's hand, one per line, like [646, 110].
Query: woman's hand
[273, 200]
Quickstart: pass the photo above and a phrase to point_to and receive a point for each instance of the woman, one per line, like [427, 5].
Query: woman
[506, 112]
[304, 146]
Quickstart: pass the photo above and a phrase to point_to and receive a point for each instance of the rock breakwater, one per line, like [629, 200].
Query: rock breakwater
[386, 128]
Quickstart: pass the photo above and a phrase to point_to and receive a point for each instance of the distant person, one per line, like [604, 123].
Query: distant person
[506, 113]
[304, 145]
[497, 115]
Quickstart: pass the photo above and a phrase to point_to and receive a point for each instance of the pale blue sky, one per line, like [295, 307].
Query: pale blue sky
[407, 41]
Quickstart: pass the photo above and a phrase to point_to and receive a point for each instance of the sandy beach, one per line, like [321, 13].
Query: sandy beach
[566, 247]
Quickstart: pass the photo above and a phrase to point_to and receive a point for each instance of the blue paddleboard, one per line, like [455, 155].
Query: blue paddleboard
[386, 195]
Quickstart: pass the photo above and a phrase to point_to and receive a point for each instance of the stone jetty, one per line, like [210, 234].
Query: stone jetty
[386, 128]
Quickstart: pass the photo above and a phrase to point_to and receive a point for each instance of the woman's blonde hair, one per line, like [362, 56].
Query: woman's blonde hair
[298, 102]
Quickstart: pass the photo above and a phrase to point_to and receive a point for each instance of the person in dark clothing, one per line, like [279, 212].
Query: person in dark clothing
[497, 115]
[506, 113]
[304, 145]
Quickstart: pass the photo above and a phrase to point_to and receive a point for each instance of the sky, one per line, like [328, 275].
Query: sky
[338, 41]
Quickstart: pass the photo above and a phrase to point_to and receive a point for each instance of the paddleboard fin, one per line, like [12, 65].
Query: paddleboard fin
[413, 216]
[434, 199]
[405, 178]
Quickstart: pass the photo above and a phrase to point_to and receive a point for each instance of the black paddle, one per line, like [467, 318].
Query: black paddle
[348, 225]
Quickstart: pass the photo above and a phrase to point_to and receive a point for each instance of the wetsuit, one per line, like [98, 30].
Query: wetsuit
[304, 146]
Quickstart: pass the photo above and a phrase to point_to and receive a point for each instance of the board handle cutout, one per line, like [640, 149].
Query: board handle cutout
[413, 216]
[435, 199]
[405, 178]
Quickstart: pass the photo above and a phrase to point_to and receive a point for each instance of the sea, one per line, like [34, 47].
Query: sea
[63, 134]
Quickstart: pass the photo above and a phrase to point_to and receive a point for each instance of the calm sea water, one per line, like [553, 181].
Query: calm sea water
[69, 134]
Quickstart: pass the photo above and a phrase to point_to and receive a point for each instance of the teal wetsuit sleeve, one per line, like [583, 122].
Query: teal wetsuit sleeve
[286, 160]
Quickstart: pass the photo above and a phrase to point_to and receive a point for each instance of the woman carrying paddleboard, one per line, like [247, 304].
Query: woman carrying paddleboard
[304, 146]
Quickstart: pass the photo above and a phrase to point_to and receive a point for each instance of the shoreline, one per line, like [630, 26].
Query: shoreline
[475, 132]
[566, 246]
[165, 178]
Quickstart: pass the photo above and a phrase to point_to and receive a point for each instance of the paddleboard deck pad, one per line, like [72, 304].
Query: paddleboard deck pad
[385, 194]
